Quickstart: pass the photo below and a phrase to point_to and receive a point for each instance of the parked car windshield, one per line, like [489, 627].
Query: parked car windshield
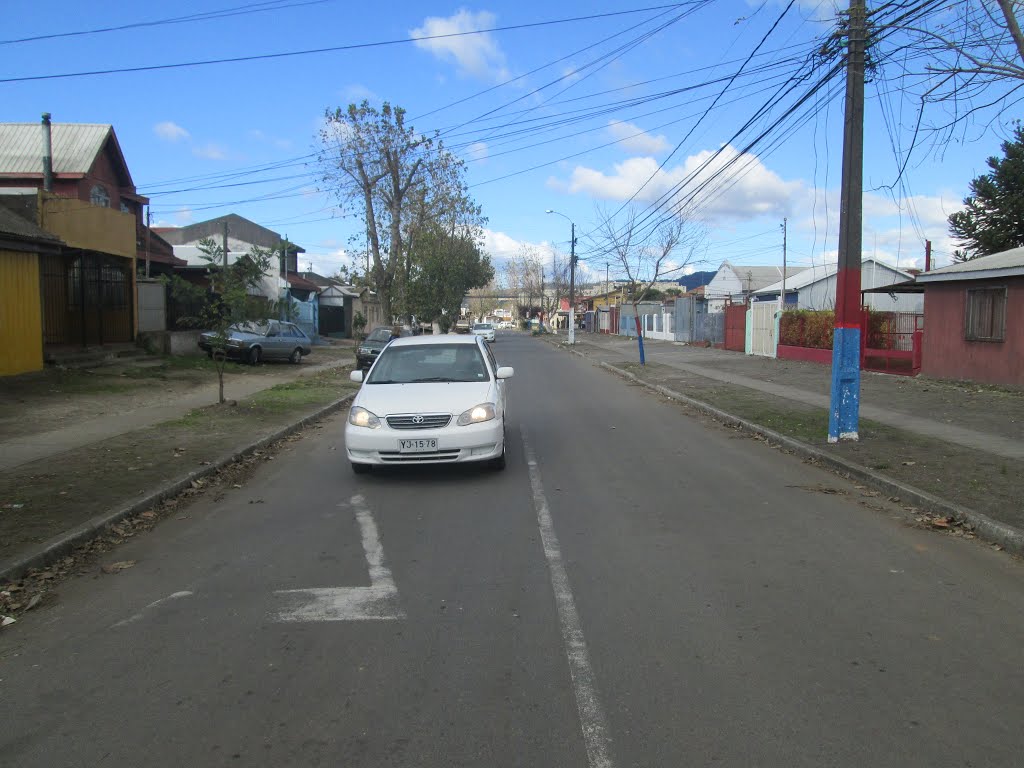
[429, 363]
[251, 327]
[482, 327]
[380, 334]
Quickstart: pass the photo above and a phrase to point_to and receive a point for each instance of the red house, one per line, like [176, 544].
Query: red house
[974, 315]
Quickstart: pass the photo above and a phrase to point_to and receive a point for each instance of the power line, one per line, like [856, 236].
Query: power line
[330, 49]
[241, 10]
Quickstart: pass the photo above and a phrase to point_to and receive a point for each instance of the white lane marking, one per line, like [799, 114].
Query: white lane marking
[377, 602]
[592, 719]
[154, 604]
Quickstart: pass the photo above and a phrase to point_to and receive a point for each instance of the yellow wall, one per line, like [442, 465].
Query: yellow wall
[91, 227]
[21, 316]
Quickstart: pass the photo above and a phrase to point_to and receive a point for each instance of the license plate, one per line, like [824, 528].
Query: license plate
[417, 446]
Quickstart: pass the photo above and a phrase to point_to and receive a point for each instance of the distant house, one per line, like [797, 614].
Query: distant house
[815, 288]
[88, 205]
[974, 313]
[735, 283]
[242, 235]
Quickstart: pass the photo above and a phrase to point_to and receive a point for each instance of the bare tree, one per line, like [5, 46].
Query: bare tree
[962, 60]
[647, 255]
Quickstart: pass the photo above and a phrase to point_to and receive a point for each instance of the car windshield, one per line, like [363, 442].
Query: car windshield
[251, 327]
[380, 334]
[482, 327]
[423, 363]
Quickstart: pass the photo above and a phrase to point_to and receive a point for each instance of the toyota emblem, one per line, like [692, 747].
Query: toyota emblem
[417, 419]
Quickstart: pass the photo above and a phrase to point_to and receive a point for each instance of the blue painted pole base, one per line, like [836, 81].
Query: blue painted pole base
[844, 412]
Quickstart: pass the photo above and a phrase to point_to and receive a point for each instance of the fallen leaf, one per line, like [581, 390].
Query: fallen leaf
[117, 567]
[149, 514]
[909, 463]
[7, 621]
[36, 600]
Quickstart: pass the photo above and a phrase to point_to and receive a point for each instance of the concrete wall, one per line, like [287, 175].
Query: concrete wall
[178, 343]
[948, 355]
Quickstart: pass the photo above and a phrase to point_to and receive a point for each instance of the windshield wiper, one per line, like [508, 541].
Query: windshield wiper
[432, 379]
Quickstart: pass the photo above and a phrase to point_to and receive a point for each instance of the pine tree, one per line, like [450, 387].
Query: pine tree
[993, 220]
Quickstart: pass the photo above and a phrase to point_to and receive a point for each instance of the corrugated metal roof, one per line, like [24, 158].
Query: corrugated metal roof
[807, 275]
[1012, 259]
[75, 147]
[13, 224]
[755, 278]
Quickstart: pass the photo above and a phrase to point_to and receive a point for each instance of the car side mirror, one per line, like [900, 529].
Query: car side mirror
[505, 372]
[356, 376]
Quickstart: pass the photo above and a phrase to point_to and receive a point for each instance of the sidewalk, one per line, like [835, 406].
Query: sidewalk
[16, 451]
[960, 442]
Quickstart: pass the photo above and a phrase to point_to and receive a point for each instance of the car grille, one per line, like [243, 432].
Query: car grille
[394, 457]
[419, 421]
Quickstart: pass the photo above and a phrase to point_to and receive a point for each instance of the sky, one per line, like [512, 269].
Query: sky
[584, 108]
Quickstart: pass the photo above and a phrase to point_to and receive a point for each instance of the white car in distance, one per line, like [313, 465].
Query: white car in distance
[429, 400]
[484, 330]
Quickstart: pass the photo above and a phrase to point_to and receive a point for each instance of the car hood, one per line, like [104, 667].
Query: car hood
[454, 397]
[373, 344]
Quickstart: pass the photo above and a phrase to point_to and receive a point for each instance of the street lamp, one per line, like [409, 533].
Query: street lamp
[572, 277]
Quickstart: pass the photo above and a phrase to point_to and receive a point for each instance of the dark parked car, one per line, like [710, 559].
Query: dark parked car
[371, 346]
[265, 340]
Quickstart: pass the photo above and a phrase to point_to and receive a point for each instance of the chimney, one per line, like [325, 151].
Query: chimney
[47, 154]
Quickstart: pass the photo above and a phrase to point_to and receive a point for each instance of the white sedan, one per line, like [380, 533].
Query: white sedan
[484, 330]
[429, 400]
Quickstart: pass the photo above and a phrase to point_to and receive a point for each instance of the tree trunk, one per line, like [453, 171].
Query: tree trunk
[639, 333]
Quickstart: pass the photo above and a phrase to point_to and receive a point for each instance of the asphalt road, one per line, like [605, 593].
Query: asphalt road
[635, 589]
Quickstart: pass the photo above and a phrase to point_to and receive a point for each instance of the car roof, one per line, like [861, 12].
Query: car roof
[444, 338]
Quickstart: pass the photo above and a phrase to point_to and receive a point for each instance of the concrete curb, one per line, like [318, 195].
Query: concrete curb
[1007, 536]
[59, 546]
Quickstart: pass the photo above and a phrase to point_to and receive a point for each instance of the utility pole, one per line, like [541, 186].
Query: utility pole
[225, 243]
[927, 255]
[572, 286]
[782, 296]
[148, 220]
[287, 285]
[844, 411]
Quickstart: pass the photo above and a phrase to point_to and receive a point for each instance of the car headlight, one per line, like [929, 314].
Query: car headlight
[364, 350]
[361, 417]
[476, 414]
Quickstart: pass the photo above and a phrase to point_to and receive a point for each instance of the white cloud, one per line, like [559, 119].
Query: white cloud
[169, 131]
[475, 55]
[636, 139]
[727, 185]
[477, 151]
[356, 93]
[571, 74]
[209, 151]
[182, 217]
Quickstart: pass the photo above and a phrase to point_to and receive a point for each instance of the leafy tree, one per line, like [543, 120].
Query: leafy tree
[229, 299]
[404, 184]
[445, 269]
[993, 220]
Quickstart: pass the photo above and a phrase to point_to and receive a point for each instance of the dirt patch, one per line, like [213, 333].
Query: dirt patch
[44, 498]
[983, 482]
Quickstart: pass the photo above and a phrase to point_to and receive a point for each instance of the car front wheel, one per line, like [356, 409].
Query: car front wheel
[296, 356]
[255, 355]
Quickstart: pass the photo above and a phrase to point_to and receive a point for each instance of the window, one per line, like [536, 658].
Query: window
[99, 196]
[985, 314]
